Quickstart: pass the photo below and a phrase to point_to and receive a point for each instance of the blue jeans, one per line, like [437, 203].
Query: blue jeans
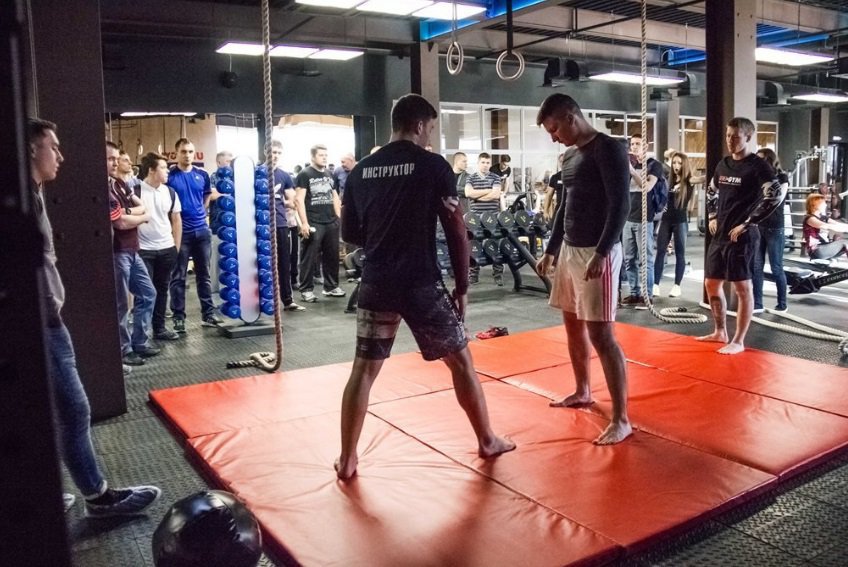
[131, 277]
[632, 247]
[72, 413]
[198, 246]
[772, 242]
[667, 230]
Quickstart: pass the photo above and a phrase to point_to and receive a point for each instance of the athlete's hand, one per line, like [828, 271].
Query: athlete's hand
[736, 231]
[595, 267]
[713, 225]
[461, 302]
[304, 230]
[544, 265]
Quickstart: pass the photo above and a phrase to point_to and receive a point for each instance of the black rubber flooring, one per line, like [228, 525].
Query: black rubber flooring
[806, 523]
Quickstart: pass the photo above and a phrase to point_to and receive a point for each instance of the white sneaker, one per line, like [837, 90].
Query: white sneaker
[337, 292]
[675, 291]
[68, 500]
[308, 297]
[656, 290]
[758, 310]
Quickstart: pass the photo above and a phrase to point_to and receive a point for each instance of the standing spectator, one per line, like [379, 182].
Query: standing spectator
[318, 207]
[126, 213]
[340, 174]
[554, 192]
[743, 191]
[483, 188]
[634, 226]
[503, 170]
[284, 195]
[194, 189]
[159, 238]
[674, 222]
[772, 242]
[460, 164]
[222, 159]
[71, 409]
[126, 172]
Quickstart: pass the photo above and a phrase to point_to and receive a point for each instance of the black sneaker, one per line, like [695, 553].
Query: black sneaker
[166, 335]
[122, 502]
[631, 300]
[147, 351]
[133, 359]
[179, 326]
[212, 321]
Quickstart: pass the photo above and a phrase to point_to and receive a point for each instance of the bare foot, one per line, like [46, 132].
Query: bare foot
[574, 400]
[497, 446]
[715, 337]
[346, 470]
[614, 433]
[731, 348]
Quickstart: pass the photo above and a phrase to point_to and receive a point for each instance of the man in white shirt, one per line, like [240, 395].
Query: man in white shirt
[159, 238]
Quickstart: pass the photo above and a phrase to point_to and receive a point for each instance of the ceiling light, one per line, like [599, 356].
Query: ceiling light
[636, 78]
[457, 111]
[444, 11]
[793, 58]
[292, 51]
[822, 97]
[336, 54]
[237, 48]
[394, 7]
[342, 4]
[139, 114]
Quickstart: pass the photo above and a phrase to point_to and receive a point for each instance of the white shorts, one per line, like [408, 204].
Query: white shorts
[590, 300]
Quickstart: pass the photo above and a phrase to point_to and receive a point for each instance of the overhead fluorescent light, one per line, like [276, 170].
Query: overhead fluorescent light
[292, 51]
[394, 7]
[444, 11]
[341, 4]
[336, 54]
[636, 78]
[238, 48]
[139, 114]
[822, 97]
[457, 111]
[792, 58]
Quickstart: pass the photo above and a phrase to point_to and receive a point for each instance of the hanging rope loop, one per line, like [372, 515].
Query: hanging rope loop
[509, 51]
[455, 55]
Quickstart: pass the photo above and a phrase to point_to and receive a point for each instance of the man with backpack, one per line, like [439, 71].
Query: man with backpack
[655, 191]
[159, 237]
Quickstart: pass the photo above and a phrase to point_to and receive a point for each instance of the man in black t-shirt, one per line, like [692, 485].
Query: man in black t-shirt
[318, 206]
[744, 190]
[391, 203]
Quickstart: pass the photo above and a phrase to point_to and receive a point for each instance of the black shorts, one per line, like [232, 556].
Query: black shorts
[429, 311]
[732, 261]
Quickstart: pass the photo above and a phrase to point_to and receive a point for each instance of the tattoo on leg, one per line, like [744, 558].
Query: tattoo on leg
[718, 309]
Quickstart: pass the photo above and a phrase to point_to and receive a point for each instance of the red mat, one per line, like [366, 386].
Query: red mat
[712, 431]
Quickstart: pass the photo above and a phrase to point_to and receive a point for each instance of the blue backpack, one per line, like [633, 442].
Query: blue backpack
[659, 195]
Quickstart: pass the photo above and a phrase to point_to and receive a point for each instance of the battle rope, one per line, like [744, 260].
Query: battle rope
[267, 361]
[672, 314]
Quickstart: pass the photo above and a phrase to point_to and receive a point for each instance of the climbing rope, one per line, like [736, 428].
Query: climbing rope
[266, 360]
[454, 49]
[671, 314]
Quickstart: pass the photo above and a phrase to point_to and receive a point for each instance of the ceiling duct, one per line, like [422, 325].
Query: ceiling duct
[691, 86]
[561, 71]
[841, 68]
[773, 95]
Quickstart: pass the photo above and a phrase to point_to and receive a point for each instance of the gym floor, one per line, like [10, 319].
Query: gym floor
[805, 522]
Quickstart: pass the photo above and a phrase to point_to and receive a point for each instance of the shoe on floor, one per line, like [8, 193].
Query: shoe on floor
[294, 307]
[147, 351]
[675, 291]
[499, 281]
[179, 326]
[631, 300]
[337, 292]
[122, 502]
[656, 289]
[68, 500]
[308, 297]
[780, 309]
[166, 335]
[133, 359]
[492, 332]
[758, 310]
[212, 321]
[127, 369]
[640, 305]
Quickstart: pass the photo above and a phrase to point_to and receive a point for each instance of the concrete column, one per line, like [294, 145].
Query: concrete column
[668, 127]
[820, 127]
[425, 77]
[68, 90]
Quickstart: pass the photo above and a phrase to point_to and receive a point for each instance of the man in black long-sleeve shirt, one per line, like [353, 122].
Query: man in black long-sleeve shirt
[744, 190]
[595, 174]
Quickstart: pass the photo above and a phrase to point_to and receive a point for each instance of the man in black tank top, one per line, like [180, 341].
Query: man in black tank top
[391, 203]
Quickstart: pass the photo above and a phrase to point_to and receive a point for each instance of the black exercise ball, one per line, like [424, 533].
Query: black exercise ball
[211, 528]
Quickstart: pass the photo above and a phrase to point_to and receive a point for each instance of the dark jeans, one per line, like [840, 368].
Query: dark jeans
[198, 246]
[131, 277]
[772, 241]
[160, 264]
[284, 264]
[678, 231]
[324, 242]
[294, 240]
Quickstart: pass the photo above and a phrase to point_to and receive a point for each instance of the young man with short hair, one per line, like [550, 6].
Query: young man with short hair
[483, 189]
[284, 195]
[71, 409]
[743, 191]
[585, 247]
[391, 203]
